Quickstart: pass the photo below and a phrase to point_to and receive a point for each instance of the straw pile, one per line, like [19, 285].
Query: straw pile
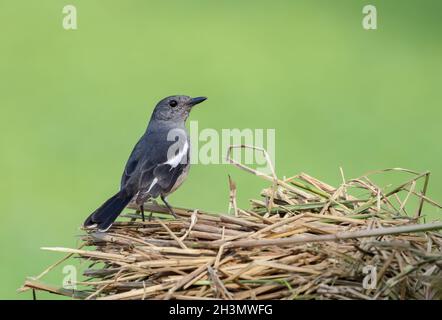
[304, 239]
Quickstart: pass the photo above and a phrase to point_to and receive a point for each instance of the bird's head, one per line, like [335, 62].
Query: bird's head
[175, 108]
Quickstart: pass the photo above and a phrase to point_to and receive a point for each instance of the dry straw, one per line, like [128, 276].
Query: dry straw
[304, 239]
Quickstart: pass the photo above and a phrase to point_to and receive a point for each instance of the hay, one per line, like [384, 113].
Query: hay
[303, 240]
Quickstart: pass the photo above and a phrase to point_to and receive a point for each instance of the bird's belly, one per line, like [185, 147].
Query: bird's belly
[179, 181]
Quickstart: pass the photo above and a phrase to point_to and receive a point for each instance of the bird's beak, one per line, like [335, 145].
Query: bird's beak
[195, 101]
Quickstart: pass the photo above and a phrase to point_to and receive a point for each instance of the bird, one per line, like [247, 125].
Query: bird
[158, 164]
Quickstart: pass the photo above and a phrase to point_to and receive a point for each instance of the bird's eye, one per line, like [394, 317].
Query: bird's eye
[173, 103]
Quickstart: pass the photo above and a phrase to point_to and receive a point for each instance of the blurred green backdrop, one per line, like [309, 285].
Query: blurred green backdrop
[73, 103]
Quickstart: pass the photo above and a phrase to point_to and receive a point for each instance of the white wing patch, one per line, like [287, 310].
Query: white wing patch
[154, 182]
[176, 160]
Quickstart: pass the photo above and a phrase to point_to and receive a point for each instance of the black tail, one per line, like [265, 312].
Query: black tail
[105, 215]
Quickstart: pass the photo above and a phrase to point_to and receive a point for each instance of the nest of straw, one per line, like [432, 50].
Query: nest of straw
[304, 239]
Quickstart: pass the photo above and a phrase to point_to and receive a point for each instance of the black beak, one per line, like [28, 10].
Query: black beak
[196, 100]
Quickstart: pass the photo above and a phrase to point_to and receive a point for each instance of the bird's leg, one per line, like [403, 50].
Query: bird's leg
[142, 212]
[140, 202]
[169, 207]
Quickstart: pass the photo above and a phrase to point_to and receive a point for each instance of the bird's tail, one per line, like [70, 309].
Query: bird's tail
[105, 215]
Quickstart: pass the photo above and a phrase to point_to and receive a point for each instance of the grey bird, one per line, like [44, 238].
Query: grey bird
[158, 164]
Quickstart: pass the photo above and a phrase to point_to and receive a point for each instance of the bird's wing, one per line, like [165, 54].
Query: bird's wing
[161, 177]
[132, 162]
[167, 175]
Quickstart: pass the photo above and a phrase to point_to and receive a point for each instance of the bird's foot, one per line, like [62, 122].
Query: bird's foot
[169, 208]
[173, 213]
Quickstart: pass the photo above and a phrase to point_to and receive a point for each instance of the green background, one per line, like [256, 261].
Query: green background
[73, 103]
